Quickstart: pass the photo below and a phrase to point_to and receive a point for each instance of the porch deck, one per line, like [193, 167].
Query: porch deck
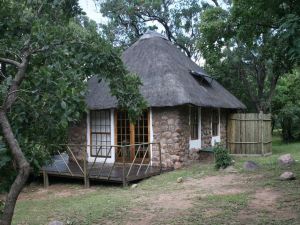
[107, 172]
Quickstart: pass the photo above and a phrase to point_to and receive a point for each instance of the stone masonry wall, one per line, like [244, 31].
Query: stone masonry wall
[223, 126]
[77, 139]
[171, 130]
[205, 127]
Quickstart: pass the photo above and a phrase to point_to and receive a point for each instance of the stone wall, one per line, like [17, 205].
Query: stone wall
[77, 139]
[171, 130]
[205, 127]
[223, 126]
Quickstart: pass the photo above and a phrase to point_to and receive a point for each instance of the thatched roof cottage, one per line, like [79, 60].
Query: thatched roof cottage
[187, 108]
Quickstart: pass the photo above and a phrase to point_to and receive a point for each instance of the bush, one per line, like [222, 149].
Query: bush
[1, 207]
[222, 157]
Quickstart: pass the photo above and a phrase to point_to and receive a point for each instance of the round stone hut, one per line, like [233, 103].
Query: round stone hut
[187, 111]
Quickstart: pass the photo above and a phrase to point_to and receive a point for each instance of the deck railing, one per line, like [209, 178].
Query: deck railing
[72, 160]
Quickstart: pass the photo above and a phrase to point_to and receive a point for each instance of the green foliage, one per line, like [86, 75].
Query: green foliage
[246, 48]
[1, 207]
[290, 32]
[6, 169]
[65, 51]
[286, 106]
[128, 20]
[222, 157]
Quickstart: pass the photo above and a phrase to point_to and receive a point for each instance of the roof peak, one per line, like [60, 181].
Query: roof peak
[152, 34]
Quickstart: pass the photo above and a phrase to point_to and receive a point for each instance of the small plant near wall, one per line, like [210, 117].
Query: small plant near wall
[222, 157]
[1, 207]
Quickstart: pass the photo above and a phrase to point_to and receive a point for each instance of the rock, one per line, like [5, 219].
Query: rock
[287, 176]
[56, 223]
[177, 165]
[286, 160]
[134, 186]
[179, 180]
[230, 169]
[250, 165]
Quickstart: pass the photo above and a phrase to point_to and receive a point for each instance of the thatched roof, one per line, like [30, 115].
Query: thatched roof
[169, 78]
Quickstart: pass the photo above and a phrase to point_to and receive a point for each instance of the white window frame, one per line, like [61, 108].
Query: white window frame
[216, 139]
[196, 143]
[112, 136]
[151, 134]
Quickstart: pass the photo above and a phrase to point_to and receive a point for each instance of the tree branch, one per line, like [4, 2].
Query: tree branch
[14, 87]
[216, 3]
[10, 61]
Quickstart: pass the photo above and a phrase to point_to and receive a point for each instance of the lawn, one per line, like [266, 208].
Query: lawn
[205, 196]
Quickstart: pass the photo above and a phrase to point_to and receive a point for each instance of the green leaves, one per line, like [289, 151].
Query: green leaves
[286, 106]
[128, 20]
[65, 50]
[245, 48]
[222, 157]
[63, 104]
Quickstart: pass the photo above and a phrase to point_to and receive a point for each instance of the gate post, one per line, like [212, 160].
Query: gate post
[85, 169]
[124, 180]
[261, 128]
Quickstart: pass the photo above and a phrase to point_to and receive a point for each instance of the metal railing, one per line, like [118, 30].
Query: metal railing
[67, 163]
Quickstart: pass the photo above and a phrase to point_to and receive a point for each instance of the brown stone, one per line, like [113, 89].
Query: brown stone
[177, 165]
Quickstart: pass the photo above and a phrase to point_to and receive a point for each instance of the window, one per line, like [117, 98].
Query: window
[100, 133]
[194, 120]
[215, 122]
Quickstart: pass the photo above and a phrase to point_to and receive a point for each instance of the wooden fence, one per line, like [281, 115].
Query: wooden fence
[249, 134]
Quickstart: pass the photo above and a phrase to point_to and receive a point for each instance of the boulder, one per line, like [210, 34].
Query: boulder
[134, 186]
[55, 222]
[179, 180]
[287, 176]
[230, 169]
[250, 166]
[286, 160]
[177, 165]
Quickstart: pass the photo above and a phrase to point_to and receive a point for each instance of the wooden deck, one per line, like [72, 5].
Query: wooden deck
[98, 171]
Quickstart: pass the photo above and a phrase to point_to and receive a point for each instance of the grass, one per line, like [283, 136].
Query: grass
[104, 203]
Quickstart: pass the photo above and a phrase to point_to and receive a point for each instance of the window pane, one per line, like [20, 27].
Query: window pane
[100, 133]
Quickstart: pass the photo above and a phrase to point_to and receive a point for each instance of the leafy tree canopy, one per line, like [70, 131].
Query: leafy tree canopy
[128, 20]
[48, 50]
[64, 52]
[286, 106]
[246, 47]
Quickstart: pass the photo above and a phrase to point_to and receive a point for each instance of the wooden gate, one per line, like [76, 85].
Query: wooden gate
[249, 134]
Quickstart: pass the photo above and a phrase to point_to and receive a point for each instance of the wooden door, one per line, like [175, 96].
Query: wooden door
[132, 134]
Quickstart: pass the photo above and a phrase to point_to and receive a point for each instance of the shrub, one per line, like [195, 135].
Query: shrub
[1, 207]
[222, 157]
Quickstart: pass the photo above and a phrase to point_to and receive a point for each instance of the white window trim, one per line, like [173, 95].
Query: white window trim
[196, 144]
[151, 134]
[88, 140]
[216, 139]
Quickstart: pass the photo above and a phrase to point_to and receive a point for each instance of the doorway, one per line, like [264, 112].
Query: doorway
[134, 137]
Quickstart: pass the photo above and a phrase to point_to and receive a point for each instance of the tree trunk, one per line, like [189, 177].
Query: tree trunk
[23, 170]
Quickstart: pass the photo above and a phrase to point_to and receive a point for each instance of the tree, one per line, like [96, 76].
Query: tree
[47, 51]
[245, 46]
[128, 20]
[286, 106]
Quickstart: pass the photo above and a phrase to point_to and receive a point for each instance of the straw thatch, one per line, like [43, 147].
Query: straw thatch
[169, 78]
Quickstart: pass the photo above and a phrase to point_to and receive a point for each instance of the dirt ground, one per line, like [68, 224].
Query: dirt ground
[157, 207]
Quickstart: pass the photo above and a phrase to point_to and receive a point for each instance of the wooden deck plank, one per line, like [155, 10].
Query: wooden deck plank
[109, 172]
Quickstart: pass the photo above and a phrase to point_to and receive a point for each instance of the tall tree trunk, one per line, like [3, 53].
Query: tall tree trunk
[22, 166]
